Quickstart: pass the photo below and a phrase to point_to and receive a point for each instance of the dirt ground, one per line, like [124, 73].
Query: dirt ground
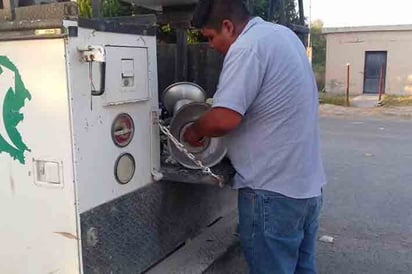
[404, 113]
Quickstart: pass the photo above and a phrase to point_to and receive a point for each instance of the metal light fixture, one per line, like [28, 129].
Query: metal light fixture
[124, 168]
[122, 130]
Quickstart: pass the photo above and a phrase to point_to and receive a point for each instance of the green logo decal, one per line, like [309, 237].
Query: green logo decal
[13, 93]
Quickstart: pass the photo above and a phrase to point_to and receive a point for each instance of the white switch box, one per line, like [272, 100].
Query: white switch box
[127, 68]
[127, 75]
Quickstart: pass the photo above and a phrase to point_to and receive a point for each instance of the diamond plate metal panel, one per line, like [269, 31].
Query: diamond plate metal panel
[132, 233]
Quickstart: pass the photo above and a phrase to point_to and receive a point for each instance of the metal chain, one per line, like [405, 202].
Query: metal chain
[191, 156]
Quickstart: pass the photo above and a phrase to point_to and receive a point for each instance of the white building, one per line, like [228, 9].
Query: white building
[376, 54]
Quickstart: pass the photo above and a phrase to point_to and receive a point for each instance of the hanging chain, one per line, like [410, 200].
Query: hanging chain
[191, 156]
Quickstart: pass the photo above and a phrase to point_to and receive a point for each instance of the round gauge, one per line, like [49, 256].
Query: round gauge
[122, 130]
[124, 168]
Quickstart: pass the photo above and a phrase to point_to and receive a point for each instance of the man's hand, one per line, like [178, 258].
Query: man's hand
[191, 137]
[216, 122]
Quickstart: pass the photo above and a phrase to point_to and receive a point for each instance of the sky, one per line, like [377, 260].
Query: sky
[344, 13]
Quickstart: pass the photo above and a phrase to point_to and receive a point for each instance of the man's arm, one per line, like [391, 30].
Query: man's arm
[239, 83]
[216, 122]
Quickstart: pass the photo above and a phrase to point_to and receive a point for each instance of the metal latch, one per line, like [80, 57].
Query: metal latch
[93, 53]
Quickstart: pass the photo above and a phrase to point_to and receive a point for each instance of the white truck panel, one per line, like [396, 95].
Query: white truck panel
[92, 116]
[37, 197]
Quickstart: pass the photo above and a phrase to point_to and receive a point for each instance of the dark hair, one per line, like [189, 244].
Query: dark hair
[211, 13]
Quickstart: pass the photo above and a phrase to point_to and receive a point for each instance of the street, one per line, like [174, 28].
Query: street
[367, 206]
[368, 199]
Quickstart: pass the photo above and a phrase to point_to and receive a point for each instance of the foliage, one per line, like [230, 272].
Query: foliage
[292, 15]
[318, 52]
[85, 8]
[194, 36]
[393, 100]
[114, 8]
[166, 34]
[332, 99]
[261, 7]
[109, 8]
[318, 45]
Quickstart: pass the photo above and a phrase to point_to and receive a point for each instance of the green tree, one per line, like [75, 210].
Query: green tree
[261, 7]
[318, 51]
[85, 8]
[108, 8]
[114, 8]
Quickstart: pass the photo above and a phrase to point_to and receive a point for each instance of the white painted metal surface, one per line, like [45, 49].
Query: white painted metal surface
[38, 228]
[92, 116]
[69, 164]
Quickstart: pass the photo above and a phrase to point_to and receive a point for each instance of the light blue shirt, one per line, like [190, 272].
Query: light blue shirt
[267, 78]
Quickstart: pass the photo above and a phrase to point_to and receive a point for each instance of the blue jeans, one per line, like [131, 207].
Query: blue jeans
[278, 233]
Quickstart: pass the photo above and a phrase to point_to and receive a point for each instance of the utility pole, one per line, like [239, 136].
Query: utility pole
[347, 84]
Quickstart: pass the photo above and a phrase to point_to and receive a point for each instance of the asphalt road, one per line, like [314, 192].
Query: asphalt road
[368, 200]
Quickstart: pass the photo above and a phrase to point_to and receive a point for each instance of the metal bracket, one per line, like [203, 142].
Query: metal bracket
[97, 54]
[93, 54]
[157, 175]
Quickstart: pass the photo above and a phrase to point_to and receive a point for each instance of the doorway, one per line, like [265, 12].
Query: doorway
[375, 72]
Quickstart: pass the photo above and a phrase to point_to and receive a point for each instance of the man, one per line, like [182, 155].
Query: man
[267, 105]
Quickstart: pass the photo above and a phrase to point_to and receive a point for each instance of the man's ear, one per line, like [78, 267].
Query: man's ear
[228, 26]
